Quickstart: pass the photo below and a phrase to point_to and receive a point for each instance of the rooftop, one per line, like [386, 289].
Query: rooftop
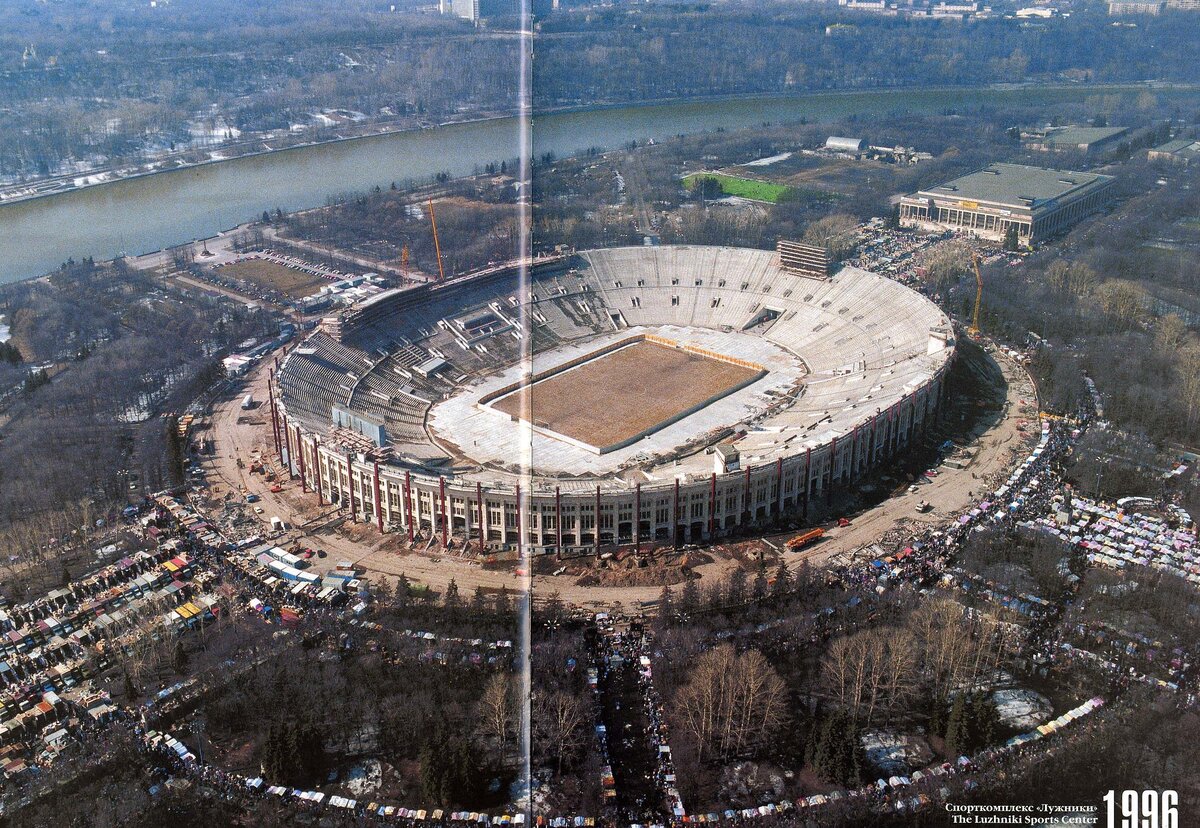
[1078, 135]
[1017, 185]
[1180, 146]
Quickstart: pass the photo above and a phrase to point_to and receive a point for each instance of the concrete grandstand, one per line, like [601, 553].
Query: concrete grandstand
[389, 409]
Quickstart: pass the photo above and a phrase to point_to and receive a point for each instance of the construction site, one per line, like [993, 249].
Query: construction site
[737, 462]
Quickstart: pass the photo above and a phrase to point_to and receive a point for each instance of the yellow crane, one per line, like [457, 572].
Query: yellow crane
[974, 329]
[436, 244]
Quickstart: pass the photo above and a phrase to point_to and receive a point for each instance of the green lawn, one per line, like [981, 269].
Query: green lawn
[742, 187]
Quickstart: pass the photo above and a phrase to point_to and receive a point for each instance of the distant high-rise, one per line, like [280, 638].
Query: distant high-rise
[1117, 8]
[476, 10]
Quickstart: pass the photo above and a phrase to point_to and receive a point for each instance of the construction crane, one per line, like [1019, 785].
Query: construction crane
[974, 329]
[404, 264]
[437, 247]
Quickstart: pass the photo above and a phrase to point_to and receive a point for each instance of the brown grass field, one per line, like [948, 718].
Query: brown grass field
[288, 281]
[625, 392]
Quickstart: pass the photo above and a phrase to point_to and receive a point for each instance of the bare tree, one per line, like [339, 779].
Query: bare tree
[837, 233]
[497, 707]
[951, 648]
[871, 671]
[558, 724]
[732, 702]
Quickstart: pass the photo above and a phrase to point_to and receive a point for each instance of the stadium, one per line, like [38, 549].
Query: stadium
[674, 394]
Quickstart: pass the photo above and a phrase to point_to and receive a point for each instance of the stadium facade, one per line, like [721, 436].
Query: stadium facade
[986, 203]
[852, 373]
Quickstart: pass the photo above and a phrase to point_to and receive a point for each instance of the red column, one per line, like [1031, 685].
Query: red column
[854, 453]
[874, 440]
[712, 506]
[300, 460]
[637, 518]
[350, 485]
[675, 517]
[274, 411]
[483, 526]
[445, 514]
[317, 462]
[408, 503]
[558, 520]
[378, 502]
[779, 486]
[287, 437]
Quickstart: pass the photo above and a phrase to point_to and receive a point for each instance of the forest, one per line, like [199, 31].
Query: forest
[112, 350]
[670, 52]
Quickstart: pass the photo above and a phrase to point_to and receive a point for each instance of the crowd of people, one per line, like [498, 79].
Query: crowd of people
[630, 647]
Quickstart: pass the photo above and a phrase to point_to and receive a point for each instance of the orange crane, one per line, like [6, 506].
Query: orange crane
[805, 538]
[436, 244]
[974, 329]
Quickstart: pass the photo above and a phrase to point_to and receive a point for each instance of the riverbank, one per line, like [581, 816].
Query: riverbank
[155, 211]
[51, 186]
[60, 185]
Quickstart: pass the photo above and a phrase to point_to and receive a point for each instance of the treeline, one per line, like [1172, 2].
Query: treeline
[304, 716]
[879, 663]
[607, 55]
[1151, 744]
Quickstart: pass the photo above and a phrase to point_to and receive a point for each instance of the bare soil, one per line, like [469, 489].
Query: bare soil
[272, 275]
[625, 392]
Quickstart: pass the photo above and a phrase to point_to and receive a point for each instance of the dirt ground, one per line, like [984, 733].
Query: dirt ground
[999, 448]
[607, 400]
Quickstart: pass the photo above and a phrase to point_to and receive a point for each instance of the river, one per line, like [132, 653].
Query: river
[144, 214]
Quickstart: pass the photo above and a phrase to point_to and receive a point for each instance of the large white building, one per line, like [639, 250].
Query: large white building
[986, 203]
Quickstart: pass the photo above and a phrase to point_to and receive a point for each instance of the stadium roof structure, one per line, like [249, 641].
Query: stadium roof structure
[646, 359]
[1017, 185]
[836, 353]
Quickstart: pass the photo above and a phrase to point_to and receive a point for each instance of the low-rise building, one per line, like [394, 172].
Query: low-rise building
[986, 203]
[1182, 151]
[837, 143]
[1073, 138]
